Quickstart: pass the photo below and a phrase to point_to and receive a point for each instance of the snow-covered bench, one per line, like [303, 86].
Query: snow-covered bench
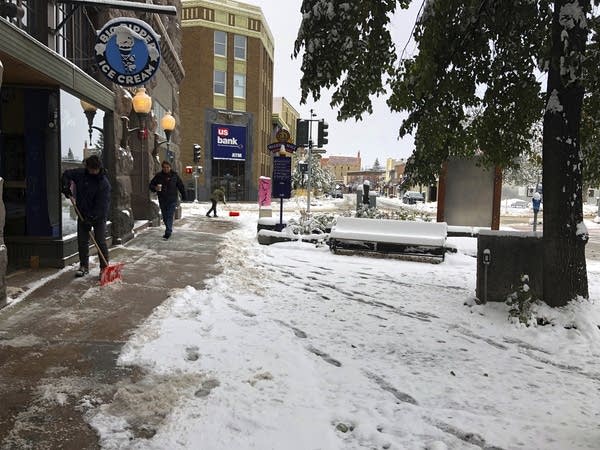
[389, 236]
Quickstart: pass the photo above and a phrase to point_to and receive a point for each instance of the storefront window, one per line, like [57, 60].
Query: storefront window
[76, 145]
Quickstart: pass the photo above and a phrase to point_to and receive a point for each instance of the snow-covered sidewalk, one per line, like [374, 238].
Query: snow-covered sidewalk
[292, 347]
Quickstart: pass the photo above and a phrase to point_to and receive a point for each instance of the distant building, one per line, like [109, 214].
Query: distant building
[340, 166]
[284, 117]
[226, 97]
[394, 170]
[358, 177]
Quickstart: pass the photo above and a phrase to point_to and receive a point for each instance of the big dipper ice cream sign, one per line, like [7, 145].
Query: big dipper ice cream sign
[128, 51]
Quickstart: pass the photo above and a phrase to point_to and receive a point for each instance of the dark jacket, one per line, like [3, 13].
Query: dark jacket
[171, 183]
[92, 192]
[218, 195]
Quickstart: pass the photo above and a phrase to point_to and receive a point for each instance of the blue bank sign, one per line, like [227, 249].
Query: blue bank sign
[128, 51]
[228, 142]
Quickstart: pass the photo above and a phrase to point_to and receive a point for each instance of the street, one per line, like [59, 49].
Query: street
[521, 223]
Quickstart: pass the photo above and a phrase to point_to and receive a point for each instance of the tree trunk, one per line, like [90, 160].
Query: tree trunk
[565, 274]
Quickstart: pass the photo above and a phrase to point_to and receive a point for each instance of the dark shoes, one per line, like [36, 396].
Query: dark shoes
[207, 215]
[82, 271]
[166, 236]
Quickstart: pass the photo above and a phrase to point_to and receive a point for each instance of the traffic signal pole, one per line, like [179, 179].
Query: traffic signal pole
[310, 146]
[322, 140]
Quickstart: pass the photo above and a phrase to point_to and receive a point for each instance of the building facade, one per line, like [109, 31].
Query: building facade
[284, 118]
[340, 166]
[226, 98]
[50, 72]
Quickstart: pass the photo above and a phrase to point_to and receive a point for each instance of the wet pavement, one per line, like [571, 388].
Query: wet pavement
[59, 345]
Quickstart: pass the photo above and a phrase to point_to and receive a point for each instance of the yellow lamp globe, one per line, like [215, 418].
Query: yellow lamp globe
[87, 107]
[168, 122]
[142, 102]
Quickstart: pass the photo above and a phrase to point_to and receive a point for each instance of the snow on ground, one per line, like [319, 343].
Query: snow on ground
[293, 347]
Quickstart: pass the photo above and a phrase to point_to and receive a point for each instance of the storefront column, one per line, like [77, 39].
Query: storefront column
[3, 253]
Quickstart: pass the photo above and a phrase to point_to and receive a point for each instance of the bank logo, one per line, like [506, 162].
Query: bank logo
[128, 51]
[223, 139]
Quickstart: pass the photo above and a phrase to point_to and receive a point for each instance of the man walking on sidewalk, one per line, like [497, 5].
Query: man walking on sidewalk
[92, 198]
[166, 183]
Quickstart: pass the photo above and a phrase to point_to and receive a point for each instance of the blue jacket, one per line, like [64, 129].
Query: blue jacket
[92, 193]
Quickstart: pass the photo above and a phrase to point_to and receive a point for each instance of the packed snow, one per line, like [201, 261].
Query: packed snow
[293, 347]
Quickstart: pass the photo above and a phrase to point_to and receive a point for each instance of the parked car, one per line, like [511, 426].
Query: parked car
[412, 197]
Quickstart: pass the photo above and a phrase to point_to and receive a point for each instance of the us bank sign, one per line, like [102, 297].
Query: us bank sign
[128, 51]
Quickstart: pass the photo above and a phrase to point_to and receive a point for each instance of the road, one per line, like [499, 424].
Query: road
[521, 223]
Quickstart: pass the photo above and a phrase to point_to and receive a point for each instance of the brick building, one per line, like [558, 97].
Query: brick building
[340, 166]
[227, 96]
[48, 52]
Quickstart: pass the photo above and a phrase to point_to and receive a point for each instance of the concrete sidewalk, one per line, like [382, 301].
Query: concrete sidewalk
[60, 344]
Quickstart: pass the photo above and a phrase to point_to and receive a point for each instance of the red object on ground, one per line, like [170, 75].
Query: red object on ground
[111, 273]
[234, 213]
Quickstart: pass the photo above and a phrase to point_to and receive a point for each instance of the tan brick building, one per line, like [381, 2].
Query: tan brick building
[284, 117]
[226, 97]
[339, 166]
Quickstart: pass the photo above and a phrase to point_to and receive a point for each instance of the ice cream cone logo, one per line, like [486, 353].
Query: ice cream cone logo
[128, 51]
[125, 39]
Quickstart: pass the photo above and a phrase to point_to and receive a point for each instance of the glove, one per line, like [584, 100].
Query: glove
[67, 191]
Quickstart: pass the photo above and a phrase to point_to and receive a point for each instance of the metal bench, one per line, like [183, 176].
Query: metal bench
[389, 237]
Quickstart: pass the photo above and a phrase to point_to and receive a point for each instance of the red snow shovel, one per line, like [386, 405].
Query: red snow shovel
[111, 272]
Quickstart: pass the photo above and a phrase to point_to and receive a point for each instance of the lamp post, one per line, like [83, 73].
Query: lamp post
[142, 104]
[90, 112]
[168, 125]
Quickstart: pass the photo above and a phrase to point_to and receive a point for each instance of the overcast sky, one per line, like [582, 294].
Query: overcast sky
[376, 135]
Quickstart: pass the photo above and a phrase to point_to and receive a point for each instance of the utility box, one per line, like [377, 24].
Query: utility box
[502, 257]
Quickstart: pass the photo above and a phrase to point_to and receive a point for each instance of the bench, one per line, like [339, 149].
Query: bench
[390, 237]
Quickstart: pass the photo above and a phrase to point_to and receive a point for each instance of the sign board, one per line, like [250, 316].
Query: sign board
[276, 146]
[127, 51]
[282, 177]
[228, 142]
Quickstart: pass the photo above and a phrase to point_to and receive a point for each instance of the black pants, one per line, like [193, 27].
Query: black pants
[213, 208]
[83, 241]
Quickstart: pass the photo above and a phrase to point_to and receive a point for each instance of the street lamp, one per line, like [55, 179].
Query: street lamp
[142, 104]
[90, 112]
[168, 125]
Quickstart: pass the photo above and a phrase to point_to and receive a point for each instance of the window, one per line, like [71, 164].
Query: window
[239, 85]
[239, 47]
[219, 82]
[220, 43]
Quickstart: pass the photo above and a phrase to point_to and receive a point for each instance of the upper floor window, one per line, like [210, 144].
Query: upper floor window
[219, 82]
[220, 43]
[239, 47]
[239, 85]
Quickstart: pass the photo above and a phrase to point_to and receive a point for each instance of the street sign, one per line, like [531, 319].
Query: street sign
[282, 177]
[318, 151]
[276, 146]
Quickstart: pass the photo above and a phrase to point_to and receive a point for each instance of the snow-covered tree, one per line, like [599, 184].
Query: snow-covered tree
[321, 179]
[474, 86]
[377, 165]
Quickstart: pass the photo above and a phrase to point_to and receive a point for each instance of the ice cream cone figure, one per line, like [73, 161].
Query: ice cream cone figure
[125, 41]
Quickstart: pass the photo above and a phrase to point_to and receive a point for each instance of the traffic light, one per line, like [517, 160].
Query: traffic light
[302, 132]
[197, 152]
[323, 133]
